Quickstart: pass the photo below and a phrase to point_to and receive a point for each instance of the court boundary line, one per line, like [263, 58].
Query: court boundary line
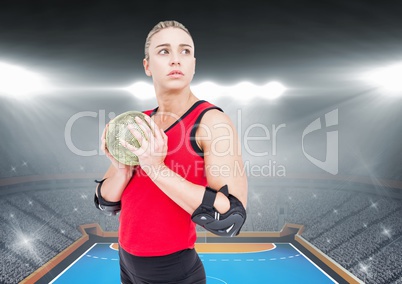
[328, 261]
[71, 264]
[319, 268]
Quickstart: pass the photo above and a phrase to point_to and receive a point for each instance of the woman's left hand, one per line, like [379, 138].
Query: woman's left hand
[153, 145]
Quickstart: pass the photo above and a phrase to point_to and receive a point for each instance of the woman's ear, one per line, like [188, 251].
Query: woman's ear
[146, 67]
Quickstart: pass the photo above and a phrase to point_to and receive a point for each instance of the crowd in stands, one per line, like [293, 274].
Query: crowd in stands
[352, 225]
[310, 205]
[14, 269]
[384, 266]
[360, 231]
[262, 202]
[364, 245]
[50, 163]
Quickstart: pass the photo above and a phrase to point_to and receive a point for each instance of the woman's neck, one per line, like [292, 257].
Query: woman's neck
[174, 103]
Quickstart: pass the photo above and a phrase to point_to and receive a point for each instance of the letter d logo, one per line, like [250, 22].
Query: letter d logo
[330, 164]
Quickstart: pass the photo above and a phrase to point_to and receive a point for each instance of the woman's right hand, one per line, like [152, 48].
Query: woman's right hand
[117, 176]
[122, 168]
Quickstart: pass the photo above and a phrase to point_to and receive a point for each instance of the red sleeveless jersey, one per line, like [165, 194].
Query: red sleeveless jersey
[151, 224]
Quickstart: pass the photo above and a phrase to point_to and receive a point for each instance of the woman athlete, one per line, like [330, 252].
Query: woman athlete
[190, 171]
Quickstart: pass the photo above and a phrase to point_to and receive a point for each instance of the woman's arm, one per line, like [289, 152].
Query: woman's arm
[116, 177]
[222, 154]
[187, 195]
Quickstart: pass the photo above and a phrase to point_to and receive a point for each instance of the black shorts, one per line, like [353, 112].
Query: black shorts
[182, 267]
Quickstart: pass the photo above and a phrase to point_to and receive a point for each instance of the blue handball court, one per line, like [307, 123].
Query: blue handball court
[283, 263]
[253, 257]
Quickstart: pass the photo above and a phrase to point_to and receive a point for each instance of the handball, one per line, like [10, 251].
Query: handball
[118, 131]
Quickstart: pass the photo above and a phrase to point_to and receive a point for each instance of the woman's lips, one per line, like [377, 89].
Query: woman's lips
[175, 74]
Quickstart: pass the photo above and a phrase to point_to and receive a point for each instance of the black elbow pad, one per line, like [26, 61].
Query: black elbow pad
[228, 224]
[107, 207]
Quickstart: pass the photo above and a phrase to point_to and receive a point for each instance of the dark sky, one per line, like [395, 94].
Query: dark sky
[296, 41]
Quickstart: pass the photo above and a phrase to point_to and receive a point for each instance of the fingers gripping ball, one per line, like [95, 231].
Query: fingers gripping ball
[118, 131]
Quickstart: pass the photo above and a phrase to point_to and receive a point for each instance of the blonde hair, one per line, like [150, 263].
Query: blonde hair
[160, 26]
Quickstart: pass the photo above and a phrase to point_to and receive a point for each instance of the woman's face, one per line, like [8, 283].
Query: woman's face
[171, 60]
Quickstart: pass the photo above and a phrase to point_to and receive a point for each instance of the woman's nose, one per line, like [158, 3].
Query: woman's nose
[175, 59]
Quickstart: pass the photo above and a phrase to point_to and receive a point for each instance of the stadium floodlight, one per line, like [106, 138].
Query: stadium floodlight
[246, 91]
[209, 90]
[242, 91]
[141, 90]
[274, 90]
[18, 82]
[389, 78]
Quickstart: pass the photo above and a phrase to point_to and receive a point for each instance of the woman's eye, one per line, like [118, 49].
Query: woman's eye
[163, 51]
[186, 51]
